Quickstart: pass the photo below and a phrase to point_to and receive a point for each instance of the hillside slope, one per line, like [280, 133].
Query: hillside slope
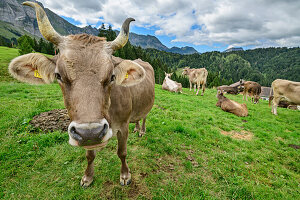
[262, 65]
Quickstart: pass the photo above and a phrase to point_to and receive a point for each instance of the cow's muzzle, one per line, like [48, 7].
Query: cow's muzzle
[89, 134]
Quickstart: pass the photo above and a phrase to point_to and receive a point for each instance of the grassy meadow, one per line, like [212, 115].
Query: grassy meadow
[192, 150]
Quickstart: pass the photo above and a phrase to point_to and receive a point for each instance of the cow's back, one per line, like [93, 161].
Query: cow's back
[253, 88]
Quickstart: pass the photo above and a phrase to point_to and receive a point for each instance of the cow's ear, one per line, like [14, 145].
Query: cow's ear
[33, 68]
[129, 73]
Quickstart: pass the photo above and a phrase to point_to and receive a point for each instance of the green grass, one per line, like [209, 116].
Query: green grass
[183, 154]
[6, 55]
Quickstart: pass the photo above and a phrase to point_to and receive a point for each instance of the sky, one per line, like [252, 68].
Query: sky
[206, 25]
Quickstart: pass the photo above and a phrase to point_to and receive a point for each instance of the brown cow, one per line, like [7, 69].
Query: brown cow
[231, 106]
[252, 89]
[228, 89]
[287, 90]
[171, 85]
[197, 77]
[102, 93]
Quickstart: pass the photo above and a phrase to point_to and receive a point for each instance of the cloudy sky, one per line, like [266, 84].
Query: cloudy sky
[206, 25]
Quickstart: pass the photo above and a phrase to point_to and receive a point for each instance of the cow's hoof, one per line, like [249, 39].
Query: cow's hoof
[125, 180]
[86, 181]
[136, 130]
[201, 94]
[141, 134]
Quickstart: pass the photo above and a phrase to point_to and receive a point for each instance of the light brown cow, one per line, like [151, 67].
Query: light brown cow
[285, 90]
[171, 85]
[252, 89]
[197, 77]
[231, 106]
[102, 93]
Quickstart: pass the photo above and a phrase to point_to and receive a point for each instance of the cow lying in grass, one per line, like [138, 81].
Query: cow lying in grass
[171, 85]
[228, 89]
[102, 93]
[231, 106]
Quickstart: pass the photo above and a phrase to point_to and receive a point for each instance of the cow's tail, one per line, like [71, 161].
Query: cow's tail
[270, 100]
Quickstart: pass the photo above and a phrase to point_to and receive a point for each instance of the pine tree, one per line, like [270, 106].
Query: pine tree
[25, 44]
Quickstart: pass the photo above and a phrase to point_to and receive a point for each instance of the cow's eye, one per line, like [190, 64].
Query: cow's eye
[113, 77]
[58, 76]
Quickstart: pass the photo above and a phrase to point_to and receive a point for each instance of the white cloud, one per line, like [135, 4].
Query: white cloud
[202, 22]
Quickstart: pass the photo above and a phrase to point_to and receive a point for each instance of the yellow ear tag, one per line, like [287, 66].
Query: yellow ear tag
[126, 76]
[36, 74]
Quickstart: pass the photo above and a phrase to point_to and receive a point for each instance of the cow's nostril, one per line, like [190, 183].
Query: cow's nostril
[75, 135]
[104, 131]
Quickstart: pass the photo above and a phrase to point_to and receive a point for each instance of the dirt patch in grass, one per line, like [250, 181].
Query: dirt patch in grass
[53, 120]
[294, 146]
[242, 135]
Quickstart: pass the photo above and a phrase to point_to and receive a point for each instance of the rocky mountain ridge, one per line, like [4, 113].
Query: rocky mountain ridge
[17, 20]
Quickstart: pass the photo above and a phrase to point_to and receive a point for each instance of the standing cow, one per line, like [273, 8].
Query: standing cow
[102, 93]
[171, 85]
[284, 89]
[197, 77]
[252, 89]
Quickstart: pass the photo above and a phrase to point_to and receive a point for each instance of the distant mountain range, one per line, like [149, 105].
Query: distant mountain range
[17, 20]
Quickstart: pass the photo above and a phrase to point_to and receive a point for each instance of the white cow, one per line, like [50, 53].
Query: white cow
[171, 85]
[196, 76]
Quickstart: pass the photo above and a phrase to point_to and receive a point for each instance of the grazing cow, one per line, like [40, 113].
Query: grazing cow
[287, 90]
[231, 106]
[197, 77]
[171, 85]
[102, 93]
[252, 89]
[228, 89]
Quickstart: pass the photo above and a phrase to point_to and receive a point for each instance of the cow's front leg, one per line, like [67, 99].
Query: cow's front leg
[125, 176]
[191, 86]
[87, 179]
[137, 127]
[275, 105]
[195, 85]
[143, 131]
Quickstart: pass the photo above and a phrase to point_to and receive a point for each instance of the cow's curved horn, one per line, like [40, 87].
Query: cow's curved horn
[45, 27]
[122, 38]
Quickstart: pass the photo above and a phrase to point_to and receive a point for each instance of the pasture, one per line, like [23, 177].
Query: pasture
[192, 150]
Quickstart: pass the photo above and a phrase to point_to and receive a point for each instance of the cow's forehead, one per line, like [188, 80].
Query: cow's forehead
[83, 58]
